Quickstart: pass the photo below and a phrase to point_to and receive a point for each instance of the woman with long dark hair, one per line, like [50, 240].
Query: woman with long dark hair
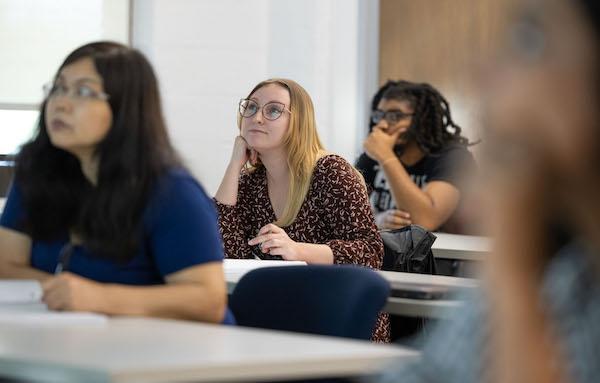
[101, 210]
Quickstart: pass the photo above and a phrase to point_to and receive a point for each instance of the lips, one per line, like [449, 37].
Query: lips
[256, 131]
[58, 124]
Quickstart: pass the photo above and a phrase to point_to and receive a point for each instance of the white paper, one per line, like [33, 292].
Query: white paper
[51, 319]
[20, 291]
[21, 304]
[235, 266]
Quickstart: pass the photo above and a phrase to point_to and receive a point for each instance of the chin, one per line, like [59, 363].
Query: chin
[251, 141]
[60, 143]
[65, 145]
[256, 143]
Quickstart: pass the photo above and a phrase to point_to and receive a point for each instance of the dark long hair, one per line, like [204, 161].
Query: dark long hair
[135, 152]
[432, 126]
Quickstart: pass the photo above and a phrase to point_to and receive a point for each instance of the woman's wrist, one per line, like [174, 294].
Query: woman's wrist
[314, 253]
[235, 166]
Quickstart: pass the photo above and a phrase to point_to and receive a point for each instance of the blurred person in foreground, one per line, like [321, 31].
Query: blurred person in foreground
[536, 317]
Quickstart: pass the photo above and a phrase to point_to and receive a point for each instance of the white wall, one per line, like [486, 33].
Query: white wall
[209, 54]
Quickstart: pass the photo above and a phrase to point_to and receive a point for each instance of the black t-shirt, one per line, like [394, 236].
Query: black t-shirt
[449, 164]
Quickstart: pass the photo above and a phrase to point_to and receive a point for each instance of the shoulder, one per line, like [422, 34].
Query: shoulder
[335, 171]
[177, 181]
[332, 164]
[367, 168]
[12, 214]
[177, 190]
[365, 162]
[454, 153]
[450, 160]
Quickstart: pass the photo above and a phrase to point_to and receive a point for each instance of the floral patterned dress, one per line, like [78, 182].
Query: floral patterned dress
[335, 212]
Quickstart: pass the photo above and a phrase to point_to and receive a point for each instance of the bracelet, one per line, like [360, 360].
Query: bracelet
[387, 160]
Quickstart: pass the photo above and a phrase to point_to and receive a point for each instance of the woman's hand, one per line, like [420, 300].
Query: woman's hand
[379, 145]
[274, 240]
[70, 292]
[392, 219]
[243, 153]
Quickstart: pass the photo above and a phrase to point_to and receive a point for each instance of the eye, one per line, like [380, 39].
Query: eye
[273, 110]
[84, 91]
[528, 39]
[250, 107]
[396, 116]
[376, 116]
[58, 89]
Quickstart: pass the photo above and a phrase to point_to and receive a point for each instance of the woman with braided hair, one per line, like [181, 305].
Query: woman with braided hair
[412, 157]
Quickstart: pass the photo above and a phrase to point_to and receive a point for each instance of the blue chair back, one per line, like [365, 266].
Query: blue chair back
[319, 299]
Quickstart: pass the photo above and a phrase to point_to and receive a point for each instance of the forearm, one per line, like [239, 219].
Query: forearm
[228, 189]
[232, 228]
[409, 197]
[315, 253]
[9, 270]
[366, 252]
[190, 301]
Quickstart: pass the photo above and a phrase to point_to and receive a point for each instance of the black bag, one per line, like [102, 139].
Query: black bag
[409, 250]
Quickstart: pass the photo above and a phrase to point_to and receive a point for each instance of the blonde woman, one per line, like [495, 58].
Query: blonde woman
[282, 196]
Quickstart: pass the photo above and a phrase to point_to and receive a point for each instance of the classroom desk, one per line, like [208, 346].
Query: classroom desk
[460, 247]
[153, 350]
[430, 308]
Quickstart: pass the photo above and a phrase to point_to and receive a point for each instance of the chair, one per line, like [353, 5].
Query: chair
[319, 299]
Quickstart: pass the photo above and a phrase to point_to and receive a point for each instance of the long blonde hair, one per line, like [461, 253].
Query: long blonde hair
[302, 144]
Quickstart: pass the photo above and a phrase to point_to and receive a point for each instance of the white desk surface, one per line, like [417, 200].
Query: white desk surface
[461, 247]
[235, 269]
[152, 350]
[429, 308]
[394, 277]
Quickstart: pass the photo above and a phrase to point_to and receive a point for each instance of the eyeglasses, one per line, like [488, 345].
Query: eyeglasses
[528, 38]
[271, 111]
[392, 117]
[79, 93]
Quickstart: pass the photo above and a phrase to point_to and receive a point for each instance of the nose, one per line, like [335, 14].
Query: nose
[258, 117]
[60, 103]
[383, 124]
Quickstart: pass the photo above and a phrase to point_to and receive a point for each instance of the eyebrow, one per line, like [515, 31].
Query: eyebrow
[268, 102]
[81, 80]
[393, 110]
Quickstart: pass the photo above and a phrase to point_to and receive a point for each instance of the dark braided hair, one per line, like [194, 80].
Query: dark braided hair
[432, 126]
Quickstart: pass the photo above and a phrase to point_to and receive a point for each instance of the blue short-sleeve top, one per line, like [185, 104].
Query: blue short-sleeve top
[179, 230]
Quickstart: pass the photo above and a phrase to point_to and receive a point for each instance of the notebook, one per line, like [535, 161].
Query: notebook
[21, 304]
[15, 291]
[236, 268]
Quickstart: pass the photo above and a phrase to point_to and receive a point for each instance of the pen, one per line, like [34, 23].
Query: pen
[63, 258]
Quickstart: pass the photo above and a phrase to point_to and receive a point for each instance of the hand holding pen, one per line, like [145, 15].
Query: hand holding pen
[70, 292]
[274, 240]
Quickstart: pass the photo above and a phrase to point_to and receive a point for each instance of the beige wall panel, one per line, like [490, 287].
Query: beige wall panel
[444, 43]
